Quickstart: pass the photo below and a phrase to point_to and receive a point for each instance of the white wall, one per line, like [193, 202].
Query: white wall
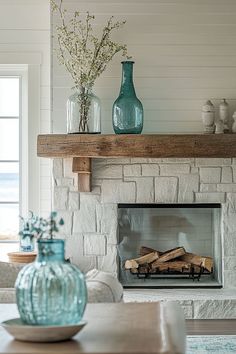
[25, 28]
[185, 53]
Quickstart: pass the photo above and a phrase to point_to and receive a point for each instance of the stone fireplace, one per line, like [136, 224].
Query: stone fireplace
[91, 219]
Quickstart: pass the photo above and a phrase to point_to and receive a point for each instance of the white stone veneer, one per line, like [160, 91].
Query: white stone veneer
[93, 216]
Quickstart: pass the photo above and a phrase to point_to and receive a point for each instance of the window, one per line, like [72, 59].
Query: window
[10, 122]
[19, 127]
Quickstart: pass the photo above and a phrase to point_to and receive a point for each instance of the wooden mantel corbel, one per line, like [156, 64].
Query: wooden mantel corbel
[82, 147]
[82, 166]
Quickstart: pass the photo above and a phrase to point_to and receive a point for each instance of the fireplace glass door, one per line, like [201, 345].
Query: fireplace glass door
[170, 245]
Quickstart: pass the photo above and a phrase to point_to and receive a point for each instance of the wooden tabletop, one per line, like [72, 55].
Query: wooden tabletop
[131, 328]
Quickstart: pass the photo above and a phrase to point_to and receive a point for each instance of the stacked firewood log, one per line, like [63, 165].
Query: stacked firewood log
[174, 260]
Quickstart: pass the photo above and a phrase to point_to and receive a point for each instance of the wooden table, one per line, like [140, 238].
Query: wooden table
[131, 328]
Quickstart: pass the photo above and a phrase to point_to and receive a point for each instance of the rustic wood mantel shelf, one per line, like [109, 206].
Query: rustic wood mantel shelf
[83, 147]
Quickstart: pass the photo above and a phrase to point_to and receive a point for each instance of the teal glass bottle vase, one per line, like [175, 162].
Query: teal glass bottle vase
[51, 291]
[127, 112]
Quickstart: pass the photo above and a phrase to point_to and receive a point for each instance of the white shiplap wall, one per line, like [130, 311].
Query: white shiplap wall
[25, 28]
[185, 53]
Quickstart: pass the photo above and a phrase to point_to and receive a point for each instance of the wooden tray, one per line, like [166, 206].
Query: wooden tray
[22, 257]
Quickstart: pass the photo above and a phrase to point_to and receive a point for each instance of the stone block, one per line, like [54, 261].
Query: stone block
[60, 198]
[166, 189]
[214, 309]
[65, 182]
[226, 187]
[66, 229]
[74, 251]
[229, 222]
[150, 170]
[132, 170]
[139, 160]
[230, 279]
[154, 160]
[107, 220]
[210, 174]
[234, 173]
[67, 166]
[84, 219]
[119, 161]
[95, 244]
[115, 191]
[229, 244]
[187, 185]
[73, 201]
[108, 171]
[176, 160]
[57, 168]
[194, 170]
[231, 199]
[227, 175]
[210, 197]
[145, 190]
[208, 187]
[230, 263]
[174, 169]
[212, 162]
[109, 263]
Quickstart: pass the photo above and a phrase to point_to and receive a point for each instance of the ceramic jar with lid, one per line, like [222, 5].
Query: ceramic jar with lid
[234, 123]
[208, 117]
[224, 114]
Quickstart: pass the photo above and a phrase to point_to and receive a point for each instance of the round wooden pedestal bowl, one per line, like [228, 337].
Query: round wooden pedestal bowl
[21, 257]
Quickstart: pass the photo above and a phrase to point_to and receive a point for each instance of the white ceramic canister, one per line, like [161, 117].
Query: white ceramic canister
[208, 117]
[224, 114]
[234, 123]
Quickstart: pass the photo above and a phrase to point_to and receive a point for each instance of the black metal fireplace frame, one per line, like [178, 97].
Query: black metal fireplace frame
[171, 205]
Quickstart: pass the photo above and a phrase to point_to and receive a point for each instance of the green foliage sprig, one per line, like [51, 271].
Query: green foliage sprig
[40, 227]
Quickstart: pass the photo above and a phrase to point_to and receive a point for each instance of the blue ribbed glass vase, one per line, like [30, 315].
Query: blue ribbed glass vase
[127, 112]
[51, 291]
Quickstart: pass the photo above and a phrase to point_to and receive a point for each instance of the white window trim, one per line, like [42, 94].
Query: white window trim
[27, 66]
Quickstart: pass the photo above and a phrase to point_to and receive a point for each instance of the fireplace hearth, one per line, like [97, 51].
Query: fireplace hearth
[170, 245]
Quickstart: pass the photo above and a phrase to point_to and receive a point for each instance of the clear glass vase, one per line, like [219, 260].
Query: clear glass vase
[26, 242]
[127, 112]
[51, 291]
[83, 113]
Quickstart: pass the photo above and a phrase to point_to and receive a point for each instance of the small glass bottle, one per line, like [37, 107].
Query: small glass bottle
[26, 240]
[127, 112]
[83, 113]
[51, 291]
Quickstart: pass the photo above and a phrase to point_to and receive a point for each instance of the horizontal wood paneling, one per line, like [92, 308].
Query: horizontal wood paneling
[25, 28]
[185, 53]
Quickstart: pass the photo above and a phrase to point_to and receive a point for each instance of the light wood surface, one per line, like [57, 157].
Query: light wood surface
[152, 146]
[113, 328]
[21, 257]
[82, 147]
[211, 327]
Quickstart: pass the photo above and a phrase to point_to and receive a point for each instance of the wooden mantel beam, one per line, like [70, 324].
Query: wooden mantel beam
[83, 147]
[150, 146]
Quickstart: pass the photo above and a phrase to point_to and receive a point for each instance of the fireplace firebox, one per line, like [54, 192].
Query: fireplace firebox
[170, 245]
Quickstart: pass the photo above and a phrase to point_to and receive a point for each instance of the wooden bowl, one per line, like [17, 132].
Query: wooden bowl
[21, 257]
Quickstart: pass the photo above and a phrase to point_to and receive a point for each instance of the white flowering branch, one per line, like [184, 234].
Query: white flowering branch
[84, 55]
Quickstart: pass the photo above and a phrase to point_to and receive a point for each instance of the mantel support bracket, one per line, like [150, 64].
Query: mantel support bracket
[82, 166]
